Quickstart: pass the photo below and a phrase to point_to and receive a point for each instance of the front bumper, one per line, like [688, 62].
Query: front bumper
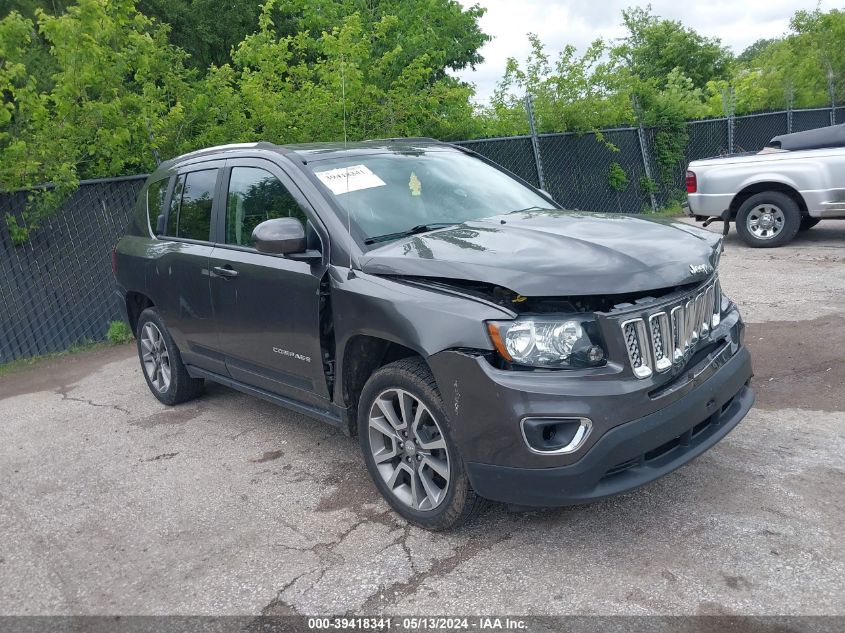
[641, 429]
[632, 454]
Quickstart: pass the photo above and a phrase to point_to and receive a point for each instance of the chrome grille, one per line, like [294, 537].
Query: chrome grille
[635, 336]
[660, 341]
[669, 336]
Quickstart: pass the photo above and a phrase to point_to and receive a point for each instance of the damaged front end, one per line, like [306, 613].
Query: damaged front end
[651, 331]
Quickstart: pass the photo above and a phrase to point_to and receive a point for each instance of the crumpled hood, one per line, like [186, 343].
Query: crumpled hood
[556, 253]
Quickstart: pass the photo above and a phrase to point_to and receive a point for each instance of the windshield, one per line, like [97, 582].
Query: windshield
[390, 194]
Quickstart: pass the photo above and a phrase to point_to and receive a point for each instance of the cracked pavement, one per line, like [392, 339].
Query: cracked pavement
[111, 503]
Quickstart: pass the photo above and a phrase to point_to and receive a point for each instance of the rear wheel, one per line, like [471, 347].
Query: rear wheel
[161, 362]
[807, 223]
[768, 219]
[409, 452]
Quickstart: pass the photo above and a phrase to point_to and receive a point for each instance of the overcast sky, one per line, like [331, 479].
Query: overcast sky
[738, 23]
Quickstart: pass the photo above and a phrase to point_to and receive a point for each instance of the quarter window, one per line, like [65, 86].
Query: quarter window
[256, 195]
[190, 205]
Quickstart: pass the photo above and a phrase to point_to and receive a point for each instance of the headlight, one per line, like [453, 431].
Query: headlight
[542, 342]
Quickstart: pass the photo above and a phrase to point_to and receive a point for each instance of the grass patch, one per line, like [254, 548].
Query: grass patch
[671, 210]
[118, 333]
[115, 336]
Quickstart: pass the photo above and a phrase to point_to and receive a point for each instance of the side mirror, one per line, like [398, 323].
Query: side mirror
[279, 236]
[284, 236]
[160, 226]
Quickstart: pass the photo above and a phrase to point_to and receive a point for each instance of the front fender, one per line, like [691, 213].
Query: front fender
[422, 319]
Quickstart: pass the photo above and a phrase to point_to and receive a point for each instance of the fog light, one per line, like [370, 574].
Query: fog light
[555, 436]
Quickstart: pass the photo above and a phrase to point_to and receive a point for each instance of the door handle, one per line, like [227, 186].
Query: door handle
[224, 271]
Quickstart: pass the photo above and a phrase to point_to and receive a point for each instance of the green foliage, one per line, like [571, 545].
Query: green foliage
[654, 48]
[617, 178]
[391, 71]
[647, 185]
[118, 333]
[205, 29]
[796, 67]
[671, 210]
[755, 50]
[572, 93]
[115, 76]
[675, 73]
[99, 89]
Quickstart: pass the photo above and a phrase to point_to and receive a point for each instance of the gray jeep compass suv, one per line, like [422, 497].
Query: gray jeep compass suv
[480, 341]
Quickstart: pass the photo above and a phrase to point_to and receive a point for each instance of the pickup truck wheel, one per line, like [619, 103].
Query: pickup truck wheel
[409, 452]
[161, 362]
[768, 219]
[807, 223]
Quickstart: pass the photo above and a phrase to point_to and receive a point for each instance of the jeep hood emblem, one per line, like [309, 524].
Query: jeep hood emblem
[695, 269]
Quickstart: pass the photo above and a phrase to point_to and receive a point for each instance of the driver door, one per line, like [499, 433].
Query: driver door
[266, 306]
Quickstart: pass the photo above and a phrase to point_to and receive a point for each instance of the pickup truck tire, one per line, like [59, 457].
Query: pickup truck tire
[161, 362]
[768, 219]
[404, 433]
[807, 223]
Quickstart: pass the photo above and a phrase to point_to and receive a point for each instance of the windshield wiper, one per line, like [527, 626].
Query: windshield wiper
[534, 208]
[414, 230]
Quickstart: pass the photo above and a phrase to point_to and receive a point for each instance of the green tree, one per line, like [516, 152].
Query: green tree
[654, 47]
[28, 8]
[570, 93]
[750, 53]
[797, 66]
[392, 75]
[98, 89]
[206, 29]
[115, 77]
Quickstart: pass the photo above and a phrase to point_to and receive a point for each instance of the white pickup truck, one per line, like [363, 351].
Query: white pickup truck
[792, 184]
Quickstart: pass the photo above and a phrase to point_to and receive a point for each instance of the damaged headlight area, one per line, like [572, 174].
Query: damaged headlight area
[554, 343]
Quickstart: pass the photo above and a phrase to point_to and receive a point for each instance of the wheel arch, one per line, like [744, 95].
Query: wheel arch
[361, 356]
[136, 303]
[762, 187]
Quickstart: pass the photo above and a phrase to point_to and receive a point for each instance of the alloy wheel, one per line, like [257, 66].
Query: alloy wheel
[155, 357]
[409, 449]
[765, 221]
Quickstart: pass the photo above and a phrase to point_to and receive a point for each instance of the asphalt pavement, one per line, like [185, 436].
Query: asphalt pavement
[111, 503]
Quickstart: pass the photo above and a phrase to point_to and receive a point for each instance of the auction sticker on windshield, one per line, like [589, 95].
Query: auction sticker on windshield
[346, 179]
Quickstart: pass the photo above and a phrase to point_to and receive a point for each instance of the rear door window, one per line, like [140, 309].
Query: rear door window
[190, 205]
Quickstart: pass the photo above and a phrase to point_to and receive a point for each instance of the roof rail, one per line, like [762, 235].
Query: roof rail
[228, 146]
[404, 138]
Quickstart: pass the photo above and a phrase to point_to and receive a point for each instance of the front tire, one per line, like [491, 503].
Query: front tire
[408, 449]
[768, 220]
[161, 362]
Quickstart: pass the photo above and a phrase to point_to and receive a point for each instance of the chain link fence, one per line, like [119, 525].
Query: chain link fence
[618, 170]
[514, 153]
[57, 289]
